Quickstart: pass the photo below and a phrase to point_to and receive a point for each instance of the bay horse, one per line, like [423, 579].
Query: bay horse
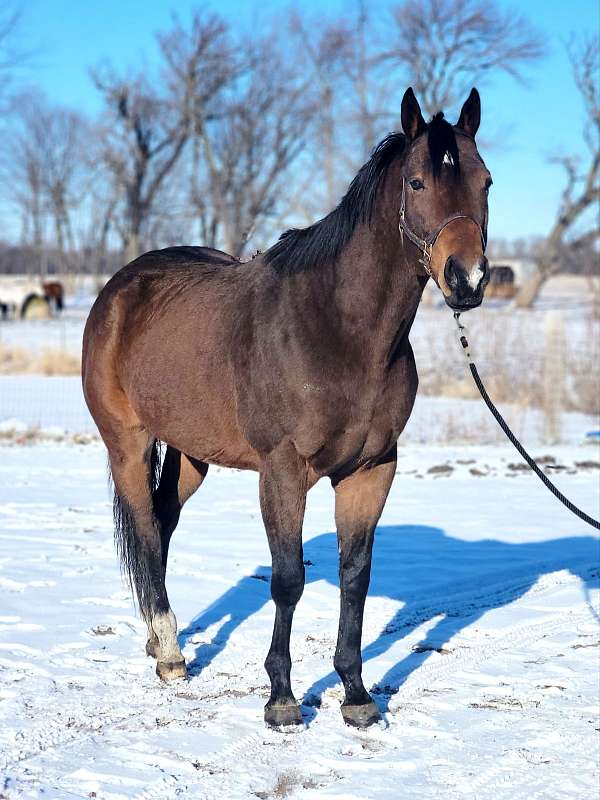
[54, 292]
[296, 364]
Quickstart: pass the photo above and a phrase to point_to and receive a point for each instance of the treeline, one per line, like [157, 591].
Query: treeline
[233, 135]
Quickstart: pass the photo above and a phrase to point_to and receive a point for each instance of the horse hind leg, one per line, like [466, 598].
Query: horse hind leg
[180, 477]
[132, 461]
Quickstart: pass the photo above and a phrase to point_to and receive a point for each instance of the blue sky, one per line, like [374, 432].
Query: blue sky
[524, 125]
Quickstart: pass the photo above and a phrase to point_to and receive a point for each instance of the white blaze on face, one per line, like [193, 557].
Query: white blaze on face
[448, 159]
[474, 276]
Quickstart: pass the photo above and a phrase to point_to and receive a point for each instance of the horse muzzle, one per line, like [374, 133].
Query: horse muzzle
[466, 284]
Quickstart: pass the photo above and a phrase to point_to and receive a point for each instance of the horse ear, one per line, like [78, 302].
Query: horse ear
[470, 115]
[413, 123]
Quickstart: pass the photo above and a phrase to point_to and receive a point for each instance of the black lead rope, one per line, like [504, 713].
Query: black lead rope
[501, 421]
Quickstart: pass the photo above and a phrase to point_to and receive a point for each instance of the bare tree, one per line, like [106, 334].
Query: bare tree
[147, 129]
[140, 144]
[577, 226]
[372, 88]
[358, 98]
[12, 54]
[242, 159]
[323, 60]
[22, 170]
[45, 164]
[445, 46]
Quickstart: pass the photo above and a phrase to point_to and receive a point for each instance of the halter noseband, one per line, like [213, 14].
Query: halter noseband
[426, 245]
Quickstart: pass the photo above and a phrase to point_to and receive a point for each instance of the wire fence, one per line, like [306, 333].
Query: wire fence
[47, 402]
[537, 366]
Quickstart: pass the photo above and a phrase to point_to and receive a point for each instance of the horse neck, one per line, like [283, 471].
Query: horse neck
[378, 282]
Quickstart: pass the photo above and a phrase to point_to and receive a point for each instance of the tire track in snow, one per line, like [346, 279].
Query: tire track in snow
[53, 733]
[63, 730]
[485, 596]
[501, 783]
[252, 747]
[465, 658]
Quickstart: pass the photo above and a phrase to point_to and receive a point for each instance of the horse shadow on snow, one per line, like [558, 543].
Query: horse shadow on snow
[432, 574]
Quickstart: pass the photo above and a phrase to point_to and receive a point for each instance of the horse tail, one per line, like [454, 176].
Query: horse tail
[135, 565]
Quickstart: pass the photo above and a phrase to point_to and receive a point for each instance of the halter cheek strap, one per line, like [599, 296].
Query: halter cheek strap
[426, 245]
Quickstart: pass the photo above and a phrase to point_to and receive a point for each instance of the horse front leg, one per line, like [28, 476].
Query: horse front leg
[283, 488]
[359, 501]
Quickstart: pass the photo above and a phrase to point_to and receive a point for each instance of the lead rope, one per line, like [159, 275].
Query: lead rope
[512, 438]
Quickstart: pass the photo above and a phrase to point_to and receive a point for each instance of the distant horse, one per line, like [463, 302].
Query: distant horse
[296, 364]
[54, 293]
[502, 283]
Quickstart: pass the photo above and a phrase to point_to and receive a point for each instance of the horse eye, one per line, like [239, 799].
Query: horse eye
[417, 185]
[488, 183]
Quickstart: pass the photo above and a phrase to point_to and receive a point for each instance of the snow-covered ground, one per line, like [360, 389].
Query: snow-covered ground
[480, 639]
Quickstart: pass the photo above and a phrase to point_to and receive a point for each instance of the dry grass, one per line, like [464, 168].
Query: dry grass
[510, 350]
[19, 361]
[583, 370]
[34, 435]
[290, 781]
[509, 347]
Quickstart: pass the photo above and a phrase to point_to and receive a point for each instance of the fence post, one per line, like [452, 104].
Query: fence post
[554, 375]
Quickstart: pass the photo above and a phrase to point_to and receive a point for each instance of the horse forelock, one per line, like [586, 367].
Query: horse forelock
[442, 145]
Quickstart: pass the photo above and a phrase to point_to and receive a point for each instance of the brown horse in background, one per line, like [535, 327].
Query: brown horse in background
[296, 364]
[54, 292]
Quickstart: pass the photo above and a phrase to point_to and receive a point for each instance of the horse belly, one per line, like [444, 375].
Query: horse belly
[192, 409]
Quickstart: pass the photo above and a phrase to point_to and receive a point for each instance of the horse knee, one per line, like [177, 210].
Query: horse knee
[347, 662]
[277, 663]
[287, 585]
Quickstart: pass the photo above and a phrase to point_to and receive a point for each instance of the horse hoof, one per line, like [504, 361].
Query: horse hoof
[283, 715]
[361, 716]
[169, 671]
[152, 648]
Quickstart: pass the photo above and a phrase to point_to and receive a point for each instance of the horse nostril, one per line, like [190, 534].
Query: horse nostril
[484, 265]
[450, 272]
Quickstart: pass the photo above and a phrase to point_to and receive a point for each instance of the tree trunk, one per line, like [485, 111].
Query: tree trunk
[132, 248]
[528, 293]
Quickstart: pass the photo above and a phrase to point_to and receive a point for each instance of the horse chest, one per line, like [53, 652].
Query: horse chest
[361, 426]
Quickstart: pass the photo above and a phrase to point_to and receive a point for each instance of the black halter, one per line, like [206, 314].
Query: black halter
[426, 245]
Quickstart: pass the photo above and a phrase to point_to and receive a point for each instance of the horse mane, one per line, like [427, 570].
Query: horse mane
[302, 248]
[299, 249]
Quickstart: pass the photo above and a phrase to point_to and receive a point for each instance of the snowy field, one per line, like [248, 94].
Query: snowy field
[480, 640]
